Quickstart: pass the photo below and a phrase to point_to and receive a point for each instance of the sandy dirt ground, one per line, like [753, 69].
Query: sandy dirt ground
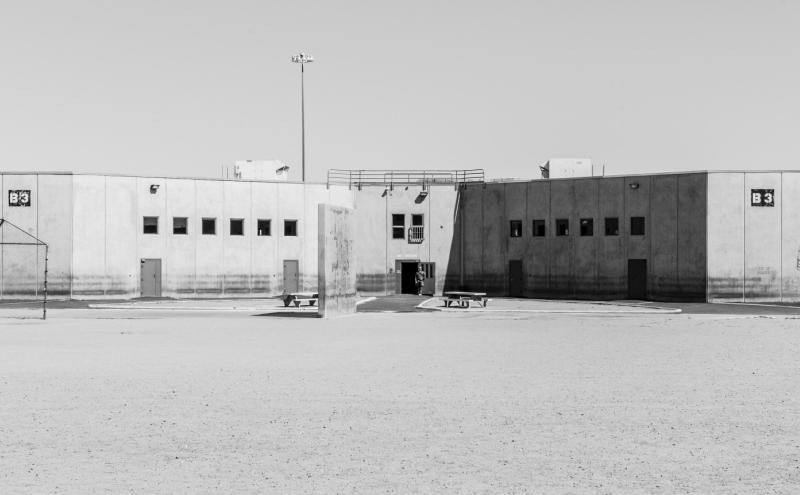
[104, 401]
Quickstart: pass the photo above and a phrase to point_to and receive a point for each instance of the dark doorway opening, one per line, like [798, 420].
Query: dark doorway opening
[515, 280]
[637, 279]
[407, 271]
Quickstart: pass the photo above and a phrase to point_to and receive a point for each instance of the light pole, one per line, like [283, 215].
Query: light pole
[302, 59]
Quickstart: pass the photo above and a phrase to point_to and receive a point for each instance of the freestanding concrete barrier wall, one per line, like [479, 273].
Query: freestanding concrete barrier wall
[336, 270]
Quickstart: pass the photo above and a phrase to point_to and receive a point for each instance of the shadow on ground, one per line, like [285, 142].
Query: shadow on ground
[291, 314]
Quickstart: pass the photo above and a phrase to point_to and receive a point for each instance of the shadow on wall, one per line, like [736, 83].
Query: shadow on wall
[453, 279]
[666, 261]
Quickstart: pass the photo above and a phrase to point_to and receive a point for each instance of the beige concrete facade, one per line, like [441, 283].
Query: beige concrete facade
[380, 254]
[94, 227]
[702, 239]
[754, 251]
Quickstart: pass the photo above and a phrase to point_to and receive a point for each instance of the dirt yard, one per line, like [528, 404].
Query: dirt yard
[110, 401]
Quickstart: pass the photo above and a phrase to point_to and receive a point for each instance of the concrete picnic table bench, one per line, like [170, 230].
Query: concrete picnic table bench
[298, 297]
[463, 299]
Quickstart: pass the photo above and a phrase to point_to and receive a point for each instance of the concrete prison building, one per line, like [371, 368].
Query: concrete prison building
[687, 236]
[122, 237]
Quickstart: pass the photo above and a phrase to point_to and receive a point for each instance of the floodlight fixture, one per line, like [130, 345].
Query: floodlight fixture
[302, 58]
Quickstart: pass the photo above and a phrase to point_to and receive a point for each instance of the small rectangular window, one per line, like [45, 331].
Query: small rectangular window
[209, 226]
[612, 226]
[150, 225]
[237, 226]
[587, 227]
[562, 226]
[637, 225]
[398, 226]
[538, 228]
[290, 228]
[516, 228]
[180, 225]
[264, 227]
[416, 221]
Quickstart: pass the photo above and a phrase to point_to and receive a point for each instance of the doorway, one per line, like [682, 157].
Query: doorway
[516, 282]
[151, 277]
[637, 279]
[291, 276]
[406, 277]
[407, 271]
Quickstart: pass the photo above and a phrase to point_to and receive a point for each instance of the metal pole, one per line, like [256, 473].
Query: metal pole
[44, 304]
[303, 120]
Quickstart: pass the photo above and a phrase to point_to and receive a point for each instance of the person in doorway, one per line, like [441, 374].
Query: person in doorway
[419, 279]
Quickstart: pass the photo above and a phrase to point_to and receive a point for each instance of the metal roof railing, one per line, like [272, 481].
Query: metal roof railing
[391, 178]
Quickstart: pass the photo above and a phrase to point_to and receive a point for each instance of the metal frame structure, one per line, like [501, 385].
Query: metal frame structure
[36, 242]
[392, 178]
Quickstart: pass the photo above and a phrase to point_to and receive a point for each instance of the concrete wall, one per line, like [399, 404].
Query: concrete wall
[103, 258]
[378, 252]
[754, 251]
[336, 261]
[94, 226]
[585, 266]
[47, 218]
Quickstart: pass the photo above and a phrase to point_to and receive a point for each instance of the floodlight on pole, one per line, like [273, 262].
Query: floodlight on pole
[302, 59]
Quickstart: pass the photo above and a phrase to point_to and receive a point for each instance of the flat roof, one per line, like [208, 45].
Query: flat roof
[173, 177]
[325, 183]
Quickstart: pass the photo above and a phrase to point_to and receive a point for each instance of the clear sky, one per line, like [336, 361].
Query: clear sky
[180, 88]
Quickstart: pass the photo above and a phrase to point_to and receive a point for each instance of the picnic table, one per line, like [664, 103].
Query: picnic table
[464, 299]
[298, 297]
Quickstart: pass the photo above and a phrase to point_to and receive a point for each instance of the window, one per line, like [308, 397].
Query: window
[180, 225]
[416, 234]
[237, 226]
[150, 225]
[587, 227]
[398, 226]
[209, 226]
[612, 226]
[264, 227]
[562, 226]
[516, 228]
[637, 225]
[538, 228]
[290, 228]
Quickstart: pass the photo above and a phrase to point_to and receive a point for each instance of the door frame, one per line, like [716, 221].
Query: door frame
[398, 272]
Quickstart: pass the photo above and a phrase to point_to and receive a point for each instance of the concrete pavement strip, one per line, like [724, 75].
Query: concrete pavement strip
[581, 307]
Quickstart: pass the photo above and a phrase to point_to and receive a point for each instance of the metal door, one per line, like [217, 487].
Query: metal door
[429, 286]
[516, 281]
[291, 276]
[151, 277]
[637, 279]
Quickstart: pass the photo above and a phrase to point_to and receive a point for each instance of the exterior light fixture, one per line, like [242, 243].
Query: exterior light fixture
[154, 188]
[302, 59]
[634, 185]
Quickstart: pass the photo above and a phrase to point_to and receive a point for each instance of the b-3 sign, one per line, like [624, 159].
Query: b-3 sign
[762, 197]
[19, 197]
